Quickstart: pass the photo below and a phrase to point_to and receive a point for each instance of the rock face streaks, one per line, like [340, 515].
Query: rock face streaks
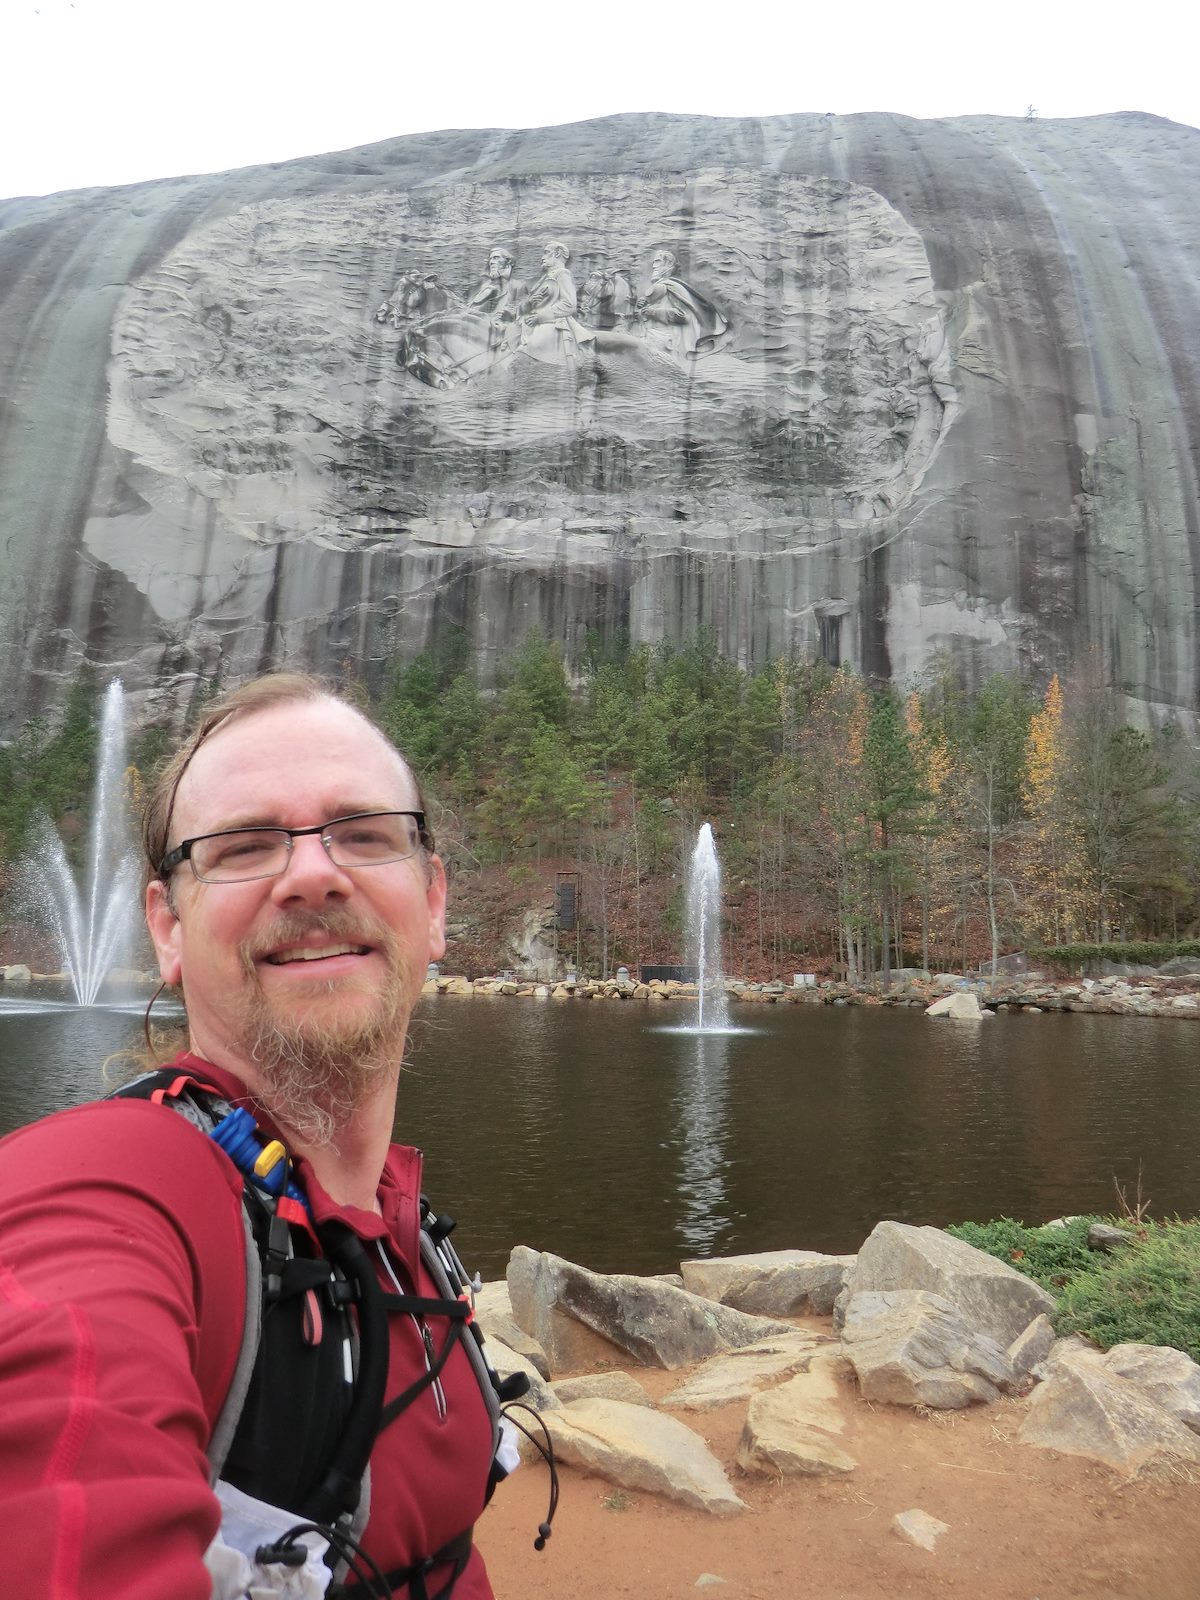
[865, 386]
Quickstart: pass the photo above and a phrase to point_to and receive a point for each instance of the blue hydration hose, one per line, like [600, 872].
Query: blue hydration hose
[264, 1165]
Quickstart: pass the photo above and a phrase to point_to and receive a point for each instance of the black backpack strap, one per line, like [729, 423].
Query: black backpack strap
[433, 1371]
[337, 1493]
[457, 1553]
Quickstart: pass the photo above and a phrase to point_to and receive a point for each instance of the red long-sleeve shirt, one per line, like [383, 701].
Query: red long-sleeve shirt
[122, 1298]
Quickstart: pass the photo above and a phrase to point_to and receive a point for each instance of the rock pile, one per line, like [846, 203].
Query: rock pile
[945, 994]
[916, 1319]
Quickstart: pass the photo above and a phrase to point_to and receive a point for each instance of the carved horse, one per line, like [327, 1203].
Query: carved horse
[607, 299]
[447, 348]
[417, 294]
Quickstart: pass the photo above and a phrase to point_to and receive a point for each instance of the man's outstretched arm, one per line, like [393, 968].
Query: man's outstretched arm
[122, 1300]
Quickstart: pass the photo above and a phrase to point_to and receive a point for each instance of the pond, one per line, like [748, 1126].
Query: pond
[591, 1129]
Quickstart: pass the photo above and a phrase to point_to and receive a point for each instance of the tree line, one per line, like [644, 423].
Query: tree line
[861, 829]
[858, 825]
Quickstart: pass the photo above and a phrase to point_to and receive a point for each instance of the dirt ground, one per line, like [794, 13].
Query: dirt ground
[1024, 1523]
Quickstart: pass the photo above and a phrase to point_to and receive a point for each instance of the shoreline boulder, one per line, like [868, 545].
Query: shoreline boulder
[771, 1283]
[583, 1318]
[994, 1299]
[642, 1449]
[909, 1347]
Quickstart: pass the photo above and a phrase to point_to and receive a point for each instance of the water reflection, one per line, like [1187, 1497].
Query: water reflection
[52, 997]
[700, 1104]
[578, 1128]
[35, 1007]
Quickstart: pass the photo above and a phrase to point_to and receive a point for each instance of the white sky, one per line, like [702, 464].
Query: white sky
[116, 91]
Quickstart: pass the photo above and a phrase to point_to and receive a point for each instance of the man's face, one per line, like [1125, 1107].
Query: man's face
[499, 266]
[318, 954]
[550, 258]
[660, 266]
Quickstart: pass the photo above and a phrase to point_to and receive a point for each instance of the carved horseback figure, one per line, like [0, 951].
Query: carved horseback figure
[678, 319]
[416, 295]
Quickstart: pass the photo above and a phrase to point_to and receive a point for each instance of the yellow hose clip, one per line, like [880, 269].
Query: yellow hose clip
[272, 1155]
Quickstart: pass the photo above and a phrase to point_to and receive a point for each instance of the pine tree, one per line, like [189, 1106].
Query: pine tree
[933, 819]
[833, 782]
[895, 797]
[992, 752]
[1115, 800]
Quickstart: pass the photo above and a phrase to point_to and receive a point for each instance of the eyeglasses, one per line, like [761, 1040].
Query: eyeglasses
[367, 839]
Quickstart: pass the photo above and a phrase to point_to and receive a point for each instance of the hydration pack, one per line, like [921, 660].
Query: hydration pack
[306, 1401]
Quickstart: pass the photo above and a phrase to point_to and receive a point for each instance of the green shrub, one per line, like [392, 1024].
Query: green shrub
[1050, 1256]
[1142, 953]
[1148, 1292]
[1145, 1292]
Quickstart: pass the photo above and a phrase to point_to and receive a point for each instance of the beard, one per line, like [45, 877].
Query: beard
[318, 1071]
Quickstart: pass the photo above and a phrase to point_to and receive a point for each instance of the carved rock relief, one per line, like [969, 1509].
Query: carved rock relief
[721, 349]
[450, 339]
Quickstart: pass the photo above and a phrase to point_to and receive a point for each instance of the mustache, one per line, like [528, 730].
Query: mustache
[339, 924]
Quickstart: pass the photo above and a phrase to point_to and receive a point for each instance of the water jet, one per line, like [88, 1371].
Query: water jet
[91, 921]
[703, 934]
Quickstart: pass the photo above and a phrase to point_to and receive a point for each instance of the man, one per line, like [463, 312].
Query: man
[683, 322]
[499, 294]
[549, 330]
[553, 296]
[300, 941]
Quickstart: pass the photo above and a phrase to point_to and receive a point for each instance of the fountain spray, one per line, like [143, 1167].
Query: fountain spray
[704, 933]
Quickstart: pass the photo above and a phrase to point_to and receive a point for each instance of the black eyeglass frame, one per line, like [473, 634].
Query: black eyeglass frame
[183, 852]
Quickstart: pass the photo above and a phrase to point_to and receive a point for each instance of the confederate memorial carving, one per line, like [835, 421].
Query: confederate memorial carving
[866, 386]
[449, 339]
[677, 354]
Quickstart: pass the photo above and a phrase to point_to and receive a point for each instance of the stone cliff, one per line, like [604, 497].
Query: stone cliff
[864, 386]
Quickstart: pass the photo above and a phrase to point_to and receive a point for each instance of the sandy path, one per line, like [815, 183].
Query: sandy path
[1025, 1524]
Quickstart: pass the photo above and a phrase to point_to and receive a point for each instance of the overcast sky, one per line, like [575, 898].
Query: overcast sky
[116, 91]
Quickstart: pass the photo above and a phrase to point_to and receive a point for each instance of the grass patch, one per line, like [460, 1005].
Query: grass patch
[1145, 1292]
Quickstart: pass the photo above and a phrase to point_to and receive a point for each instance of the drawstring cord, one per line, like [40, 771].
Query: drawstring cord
[546, 1451]
[289, 1552]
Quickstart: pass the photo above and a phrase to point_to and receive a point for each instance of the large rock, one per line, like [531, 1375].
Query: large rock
[492, 1300]
[773, 1283]
[790, 1430]
[963, 1007]
[912, 1348]
[1033, 1346]
[540, 1395]
[995, 1299]
[1164, 1375]
[1103, 1236]
[583, 1318]
[1083, 1410]
[1073, 1350]
[493, 1313]
[602, 1386]
[743, 1372]
[904, 387]
[641, 1449]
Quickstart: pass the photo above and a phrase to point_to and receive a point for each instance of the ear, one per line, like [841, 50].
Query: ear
[435, 897]
[165, 931]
